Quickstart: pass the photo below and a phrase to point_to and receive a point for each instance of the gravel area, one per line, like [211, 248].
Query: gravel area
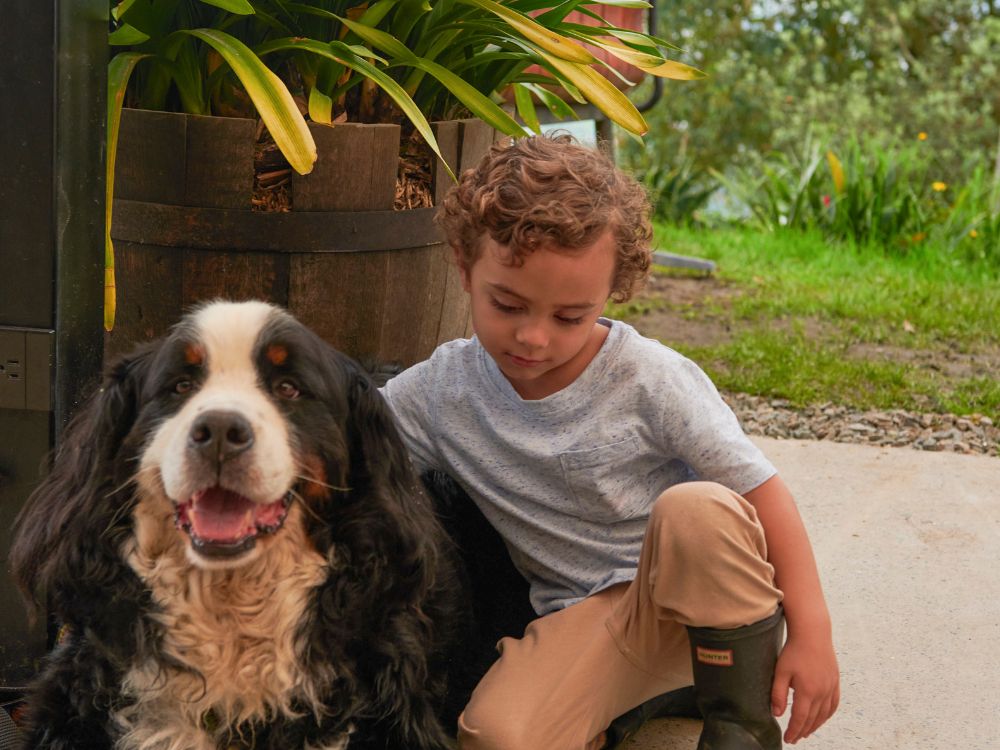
[974, 434]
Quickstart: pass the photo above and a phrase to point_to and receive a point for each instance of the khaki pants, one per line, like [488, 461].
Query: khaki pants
[703, 563]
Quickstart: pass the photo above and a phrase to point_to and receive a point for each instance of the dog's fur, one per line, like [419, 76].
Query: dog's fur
[331, 631]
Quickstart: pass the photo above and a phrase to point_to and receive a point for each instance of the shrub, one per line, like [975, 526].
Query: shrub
[876, 196]
[679, 193]
[891, 197]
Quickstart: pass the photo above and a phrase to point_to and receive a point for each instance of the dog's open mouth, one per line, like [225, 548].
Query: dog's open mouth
[223, 523]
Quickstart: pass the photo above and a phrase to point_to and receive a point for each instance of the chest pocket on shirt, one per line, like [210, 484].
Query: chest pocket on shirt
[601, 482]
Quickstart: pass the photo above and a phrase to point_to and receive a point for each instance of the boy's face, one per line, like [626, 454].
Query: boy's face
[539, 320]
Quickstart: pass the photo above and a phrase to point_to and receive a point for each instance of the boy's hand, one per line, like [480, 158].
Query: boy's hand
[809, 667]
[807, 664]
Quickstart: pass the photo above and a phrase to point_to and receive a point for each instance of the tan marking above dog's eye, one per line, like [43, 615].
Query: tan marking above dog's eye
[286, 389]
[194, 354]
[277, 354]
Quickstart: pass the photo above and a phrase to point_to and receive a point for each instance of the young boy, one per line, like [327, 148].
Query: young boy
[659, 544]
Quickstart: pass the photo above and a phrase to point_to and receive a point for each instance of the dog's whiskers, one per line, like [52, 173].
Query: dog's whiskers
[115, 490]
[123, 508]
[305, 506]
[134, 479]
[313, 480]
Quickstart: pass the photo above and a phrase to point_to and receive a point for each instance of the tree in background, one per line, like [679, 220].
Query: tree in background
[784, 71]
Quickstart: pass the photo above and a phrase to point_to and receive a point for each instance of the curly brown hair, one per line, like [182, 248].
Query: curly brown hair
[549, 191]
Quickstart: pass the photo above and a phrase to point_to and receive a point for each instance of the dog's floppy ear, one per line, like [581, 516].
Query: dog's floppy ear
[378, 452]
[397, 556]
[67, 536]
[381, 472]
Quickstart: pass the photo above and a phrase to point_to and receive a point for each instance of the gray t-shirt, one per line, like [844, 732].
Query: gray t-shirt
[568, 480]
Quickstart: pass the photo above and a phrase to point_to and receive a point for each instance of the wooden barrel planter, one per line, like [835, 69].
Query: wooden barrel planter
[374, 282]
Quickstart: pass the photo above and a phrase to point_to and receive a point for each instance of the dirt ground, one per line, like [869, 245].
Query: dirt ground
[696, 311]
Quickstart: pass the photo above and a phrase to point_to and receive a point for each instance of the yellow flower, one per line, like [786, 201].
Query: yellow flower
[973, 233]
[921, 136]
[919, 237]
[939, 187]
[837, 172]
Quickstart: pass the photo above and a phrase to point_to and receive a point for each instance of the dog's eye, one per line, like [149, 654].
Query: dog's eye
[286, 389]
[183, 386]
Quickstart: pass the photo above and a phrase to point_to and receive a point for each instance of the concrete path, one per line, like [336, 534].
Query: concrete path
[908, 545]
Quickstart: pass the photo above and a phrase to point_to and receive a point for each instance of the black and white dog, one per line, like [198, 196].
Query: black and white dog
[236, 541]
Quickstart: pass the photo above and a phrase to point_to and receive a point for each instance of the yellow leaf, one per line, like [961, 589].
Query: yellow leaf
[110, 301]
[837, 172]
[119, 70]
[270, 96]
[652, 64]
[320, 106]
[600, 92]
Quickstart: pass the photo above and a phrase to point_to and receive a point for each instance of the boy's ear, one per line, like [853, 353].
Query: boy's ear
[463, 271]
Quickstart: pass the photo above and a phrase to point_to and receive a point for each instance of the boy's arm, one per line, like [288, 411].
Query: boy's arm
[807, 664]
[409, 397]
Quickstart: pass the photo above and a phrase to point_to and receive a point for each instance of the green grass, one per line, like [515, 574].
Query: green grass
[808, 371]
[801, 274]
[802, 303]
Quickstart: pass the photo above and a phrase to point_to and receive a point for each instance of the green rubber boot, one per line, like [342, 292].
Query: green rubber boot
[733, 672]
[678, 703]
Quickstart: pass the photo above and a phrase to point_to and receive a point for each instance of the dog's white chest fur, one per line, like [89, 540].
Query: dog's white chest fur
[236, 630]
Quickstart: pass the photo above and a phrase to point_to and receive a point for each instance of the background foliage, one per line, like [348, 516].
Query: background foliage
[871, 69]
[874, 121]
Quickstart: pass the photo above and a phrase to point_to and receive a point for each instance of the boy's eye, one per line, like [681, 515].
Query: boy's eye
[569, 321]
[502, 307]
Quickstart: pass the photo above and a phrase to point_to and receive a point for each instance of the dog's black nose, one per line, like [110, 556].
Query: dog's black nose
[220, 435]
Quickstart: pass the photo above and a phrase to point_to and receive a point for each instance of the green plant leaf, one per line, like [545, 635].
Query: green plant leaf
[408, 16]
[119, 10]
[633, 38]
[239, 7]
[187, 76]
[364, 52]
[484, 58]
[269, 95]
[555, 103]
[266, 20]
[480, 105]
[377, 12]
[526, 107]
[561, 11]
[341, 53]
[553, 43]
[381, 39]
[126, 35]
[119, 71]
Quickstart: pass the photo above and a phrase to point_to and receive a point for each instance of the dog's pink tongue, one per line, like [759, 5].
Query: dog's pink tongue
[221, 516]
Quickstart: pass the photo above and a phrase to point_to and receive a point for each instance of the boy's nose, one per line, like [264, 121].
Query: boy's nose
[532, 335]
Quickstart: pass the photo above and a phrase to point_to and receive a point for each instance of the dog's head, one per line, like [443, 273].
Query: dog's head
[244, 411]
[218, 430]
